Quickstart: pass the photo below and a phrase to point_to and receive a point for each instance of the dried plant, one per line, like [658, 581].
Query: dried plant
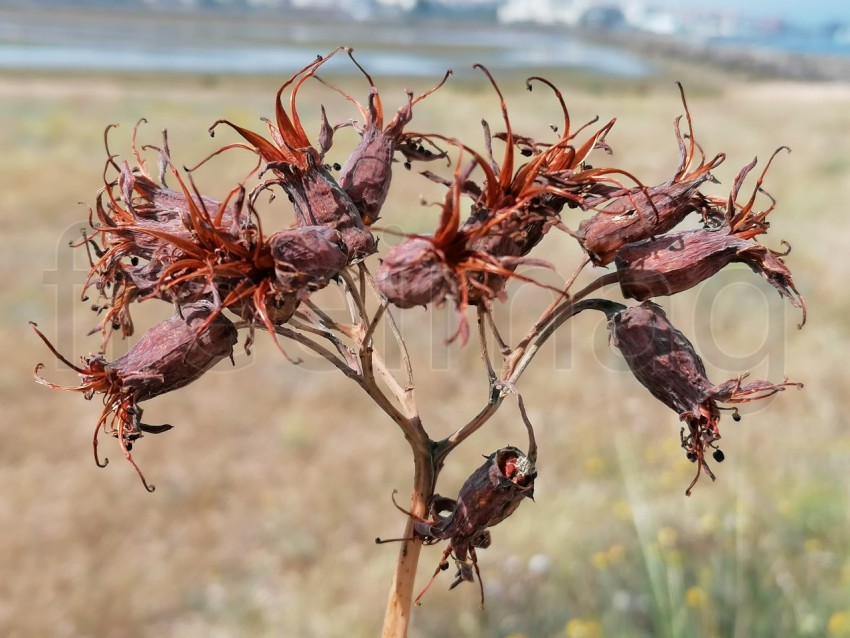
[229, 265]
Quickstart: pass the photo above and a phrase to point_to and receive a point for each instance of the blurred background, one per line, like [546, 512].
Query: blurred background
[276, 480]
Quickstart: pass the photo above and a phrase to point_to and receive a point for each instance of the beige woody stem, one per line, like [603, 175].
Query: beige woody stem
[400, 600]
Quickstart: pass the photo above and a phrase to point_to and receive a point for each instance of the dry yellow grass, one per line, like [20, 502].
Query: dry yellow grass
[275, 481]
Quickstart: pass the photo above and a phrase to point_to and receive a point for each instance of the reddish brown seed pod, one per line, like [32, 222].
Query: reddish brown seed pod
[636, 214]
[169, 356]
[491, 493]
[414, 274]
[665, 362]
[306, 258]
[428, 269]
[674, 262]
[367, 173]
[678, 261]
[296, 166]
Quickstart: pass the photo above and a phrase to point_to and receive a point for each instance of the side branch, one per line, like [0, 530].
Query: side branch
[517, 360]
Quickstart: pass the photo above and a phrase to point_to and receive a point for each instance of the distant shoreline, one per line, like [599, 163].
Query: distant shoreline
[751, 61]
[83, 40]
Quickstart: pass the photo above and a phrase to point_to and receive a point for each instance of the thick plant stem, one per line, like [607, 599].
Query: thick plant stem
[400, 601]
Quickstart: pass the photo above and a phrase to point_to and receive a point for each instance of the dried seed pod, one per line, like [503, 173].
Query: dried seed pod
[297, 168]
[636, 214]
[427, 269]
[366, 174]
[306, 258]
[665, 362]
[319, 200]
[491, 493]
[170, 355]
[413, 274]
[677, 261]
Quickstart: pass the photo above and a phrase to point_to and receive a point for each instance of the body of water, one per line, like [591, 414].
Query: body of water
[218, 44]
[279, 44]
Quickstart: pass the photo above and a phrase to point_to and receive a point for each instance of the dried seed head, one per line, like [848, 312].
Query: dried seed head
[366, 174]
[678, 261]
[638, 214]
[413, 274]
[665, 362]
[170, 355]
[675, 262]
[306, 258]
[319, 201]
[641, 213]
[493, 492]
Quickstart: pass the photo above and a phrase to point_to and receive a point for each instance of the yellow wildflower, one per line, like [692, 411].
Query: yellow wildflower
[696, 597]
[578, 628]
[839, 624]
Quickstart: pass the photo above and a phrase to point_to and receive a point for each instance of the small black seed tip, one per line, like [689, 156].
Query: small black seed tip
[719, 456]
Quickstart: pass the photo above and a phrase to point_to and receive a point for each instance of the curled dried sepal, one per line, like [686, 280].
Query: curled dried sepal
[665, 362]
[170, 355]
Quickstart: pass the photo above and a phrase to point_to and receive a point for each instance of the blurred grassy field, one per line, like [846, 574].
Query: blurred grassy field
[275, 481]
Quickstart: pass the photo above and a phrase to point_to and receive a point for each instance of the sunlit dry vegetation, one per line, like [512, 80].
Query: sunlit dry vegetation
[276, 479]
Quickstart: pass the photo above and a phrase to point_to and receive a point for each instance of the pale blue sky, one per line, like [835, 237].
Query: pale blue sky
[800, 11]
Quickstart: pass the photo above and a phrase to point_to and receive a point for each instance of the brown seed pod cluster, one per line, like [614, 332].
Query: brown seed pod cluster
[229, 261]
[157, 237]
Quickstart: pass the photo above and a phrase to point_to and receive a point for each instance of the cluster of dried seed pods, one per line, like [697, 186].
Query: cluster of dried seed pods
[148, 240]
[215, 260]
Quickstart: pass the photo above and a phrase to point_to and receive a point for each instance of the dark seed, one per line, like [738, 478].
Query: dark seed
[407, 165]
[337, 166]
[692, 457]
[736, 417]
[719, 456]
